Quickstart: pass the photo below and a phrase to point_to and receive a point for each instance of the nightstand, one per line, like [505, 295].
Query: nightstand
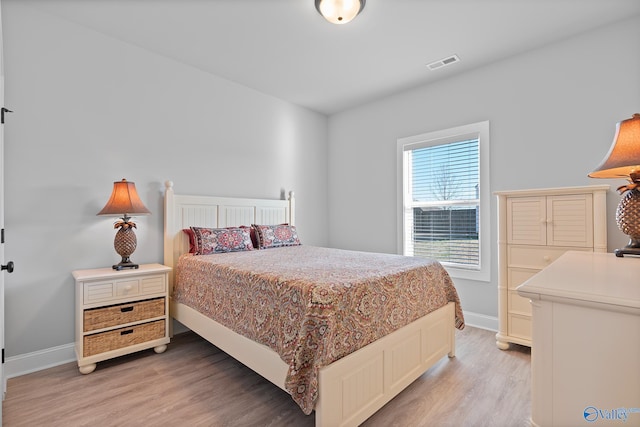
[120, 312]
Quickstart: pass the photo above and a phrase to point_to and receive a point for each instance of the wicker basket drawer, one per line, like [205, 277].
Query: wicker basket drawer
[123, 337]
[105, 317]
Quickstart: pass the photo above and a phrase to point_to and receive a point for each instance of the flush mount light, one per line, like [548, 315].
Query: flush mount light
[339, 11]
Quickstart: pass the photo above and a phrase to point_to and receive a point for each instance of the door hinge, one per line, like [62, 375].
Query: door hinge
[2, 236]
[3, 355]
[2, 111]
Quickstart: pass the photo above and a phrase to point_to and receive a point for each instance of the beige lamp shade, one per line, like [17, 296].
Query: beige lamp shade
[124, 201]
[623, 157]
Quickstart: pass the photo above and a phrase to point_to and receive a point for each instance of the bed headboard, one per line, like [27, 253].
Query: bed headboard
[182, 211]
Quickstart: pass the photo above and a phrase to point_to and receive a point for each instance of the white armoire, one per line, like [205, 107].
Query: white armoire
[535, 227]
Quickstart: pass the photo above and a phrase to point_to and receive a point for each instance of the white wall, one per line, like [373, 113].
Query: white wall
[90, 110]
[552, 113]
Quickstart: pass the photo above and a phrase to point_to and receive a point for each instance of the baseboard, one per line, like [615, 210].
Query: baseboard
[38, 360]
[23, 364]
[481, 321]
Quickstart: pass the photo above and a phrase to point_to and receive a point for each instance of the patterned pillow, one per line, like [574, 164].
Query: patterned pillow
[274, 236]
[218, 240]
[252, 233]
[192, 240]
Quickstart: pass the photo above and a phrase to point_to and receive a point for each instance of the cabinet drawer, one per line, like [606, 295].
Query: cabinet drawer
[123, 337]
[153, 285]
[127, 288]
[113, 290]
[519, 326]
[105, 317]
[518, 304]
[517, 276]
[536, 257]
[110, 290]
[100, 291]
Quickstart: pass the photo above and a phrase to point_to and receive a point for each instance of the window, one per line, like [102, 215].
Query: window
[443, 180]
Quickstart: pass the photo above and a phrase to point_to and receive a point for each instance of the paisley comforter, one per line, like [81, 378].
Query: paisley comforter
[313, 305]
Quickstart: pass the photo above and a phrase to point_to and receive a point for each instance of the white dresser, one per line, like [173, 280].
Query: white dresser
[585, 357]
[535, 227]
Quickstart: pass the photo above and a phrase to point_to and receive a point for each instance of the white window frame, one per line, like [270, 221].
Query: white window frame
[480, 131]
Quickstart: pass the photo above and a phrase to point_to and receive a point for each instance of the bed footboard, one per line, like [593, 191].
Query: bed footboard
[356, 386]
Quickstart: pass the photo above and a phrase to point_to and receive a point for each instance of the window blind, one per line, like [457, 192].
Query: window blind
[442, 210]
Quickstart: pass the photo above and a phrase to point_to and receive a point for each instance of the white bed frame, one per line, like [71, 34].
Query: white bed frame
[350, 389]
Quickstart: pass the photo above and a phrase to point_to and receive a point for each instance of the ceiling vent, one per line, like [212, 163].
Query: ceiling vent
[441, 63]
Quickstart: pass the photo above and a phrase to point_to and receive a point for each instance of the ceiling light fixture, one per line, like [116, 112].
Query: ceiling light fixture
[339, 11]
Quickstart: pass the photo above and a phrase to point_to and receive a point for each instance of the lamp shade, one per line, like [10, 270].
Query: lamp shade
[124, 201]
[339, 11]
[623, 157]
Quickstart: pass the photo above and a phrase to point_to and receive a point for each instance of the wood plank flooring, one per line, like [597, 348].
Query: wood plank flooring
[195, 384]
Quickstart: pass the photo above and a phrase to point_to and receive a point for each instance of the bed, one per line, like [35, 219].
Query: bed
[342, 389]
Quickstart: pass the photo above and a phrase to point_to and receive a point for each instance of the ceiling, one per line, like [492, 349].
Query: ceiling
[284, 48]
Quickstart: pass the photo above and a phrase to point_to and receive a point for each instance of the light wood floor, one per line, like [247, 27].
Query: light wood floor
[195, 384]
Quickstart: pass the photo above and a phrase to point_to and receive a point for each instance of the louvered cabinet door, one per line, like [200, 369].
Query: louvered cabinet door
[570, 220]
[526, 221]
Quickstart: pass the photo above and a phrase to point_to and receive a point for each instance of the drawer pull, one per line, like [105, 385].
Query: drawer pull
[126, 309]
[130, 331]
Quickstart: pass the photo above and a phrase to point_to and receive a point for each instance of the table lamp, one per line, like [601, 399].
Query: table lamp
[623, 161]
[124, 201]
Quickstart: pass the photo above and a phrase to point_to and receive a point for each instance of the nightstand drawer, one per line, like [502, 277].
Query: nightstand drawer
[110, 290]
[153, 285]
[123, 337]
[96, 292]
[105, 317]
[114, 290]
[126, 288]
